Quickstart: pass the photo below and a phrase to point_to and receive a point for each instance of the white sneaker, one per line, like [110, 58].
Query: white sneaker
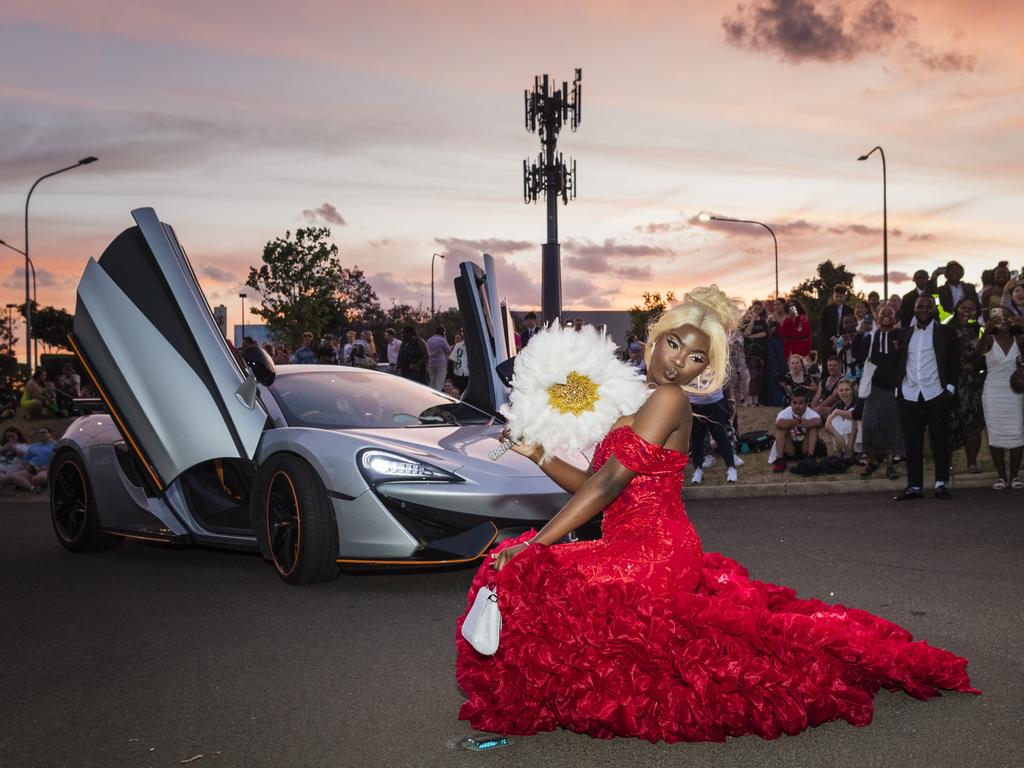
[730, 475]
[698, 476]
[709, 461]
[737, 461]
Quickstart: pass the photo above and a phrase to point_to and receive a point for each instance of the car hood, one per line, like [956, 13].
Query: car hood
[466, 446]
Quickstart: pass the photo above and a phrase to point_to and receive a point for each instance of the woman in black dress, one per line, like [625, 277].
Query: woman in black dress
[967, 419]
[755, 334]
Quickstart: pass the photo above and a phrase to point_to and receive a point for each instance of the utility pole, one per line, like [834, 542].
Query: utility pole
[547, 111]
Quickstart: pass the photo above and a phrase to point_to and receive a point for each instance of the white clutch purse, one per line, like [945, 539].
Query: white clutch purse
[482, 626]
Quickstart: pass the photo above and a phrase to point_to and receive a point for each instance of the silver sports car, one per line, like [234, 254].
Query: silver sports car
[310, 465]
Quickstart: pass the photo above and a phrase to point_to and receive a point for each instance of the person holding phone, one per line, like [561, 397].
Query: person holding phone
[954, 290]
[1002, 348]
[795, 330]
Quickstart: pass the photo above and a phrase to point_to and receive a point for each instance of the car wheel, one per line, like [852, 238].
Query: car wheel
[294, 520]
[73, 506]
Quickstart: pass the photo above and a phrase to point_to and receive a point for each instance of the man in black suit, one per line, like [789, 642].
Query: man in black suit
[529, 328]
[955, 290]
[922, 283]
[925, 387]
[832, 321]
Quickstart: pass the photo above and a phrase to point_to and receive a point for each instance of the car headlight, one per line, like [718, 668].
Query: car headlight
[384, 466]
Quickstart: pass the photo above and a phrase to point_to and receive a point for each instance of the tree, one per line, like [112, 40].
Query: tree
[304, 286]
[51, 326]
[814, 292]
[640, 317]
[355, 302]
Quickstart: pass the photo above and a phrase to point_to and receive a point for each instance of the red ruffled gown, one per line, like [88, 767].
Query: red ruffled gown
[643, 634]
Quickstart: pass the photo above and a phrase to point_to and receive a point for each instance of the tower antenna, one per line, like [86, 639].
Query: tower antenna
[548, 108]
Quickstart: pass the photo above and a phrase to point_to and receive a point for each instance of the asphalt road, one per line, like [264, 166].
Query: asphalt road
[148, 656]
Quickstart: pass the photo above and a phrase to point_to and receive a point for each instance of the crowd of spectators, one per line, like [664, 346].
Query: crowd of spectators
[938, 358]
[434, 361]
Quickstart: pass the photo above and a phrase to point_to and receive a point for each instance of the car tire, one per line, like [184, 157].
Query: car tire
[293, 520]
[73, 510]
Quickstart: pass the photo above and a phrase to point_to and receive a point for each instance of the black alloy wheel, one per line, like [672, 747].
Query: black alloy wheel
[294, 520]
[284, 524]
[73, 506]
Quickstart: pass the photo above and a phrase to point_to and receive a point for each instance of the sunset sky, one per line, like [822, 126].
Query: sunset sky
[400, 126]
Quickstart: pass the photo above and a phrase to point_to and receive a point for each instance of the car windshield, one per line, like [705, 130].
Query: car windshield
[351, 398]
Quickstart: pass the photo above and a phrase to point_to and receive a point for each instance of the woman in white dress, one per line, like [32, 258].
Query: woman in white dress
[1004, 408]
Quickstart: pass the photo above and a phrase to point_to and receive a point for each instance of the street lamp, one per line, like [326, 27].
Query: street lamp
[242, 297]
[432, 311]
[885, 223]
[28, 301]
[709, 217]
[31, 266]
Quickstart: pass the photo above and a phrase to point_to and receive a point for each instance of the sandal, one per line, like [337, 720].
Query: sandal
[999, 485]
[1017, 483]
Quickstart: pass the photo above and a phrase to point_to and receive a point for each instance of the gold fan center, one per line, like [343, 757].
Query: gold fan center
[577, 395]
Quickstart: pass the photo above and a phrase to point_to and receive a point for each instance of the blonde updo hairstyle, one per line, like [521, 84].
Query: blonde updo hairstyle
[714, 313]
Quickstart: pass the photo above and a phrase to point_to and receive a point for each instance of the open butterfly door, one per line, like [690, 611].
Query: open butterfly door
[145, 333]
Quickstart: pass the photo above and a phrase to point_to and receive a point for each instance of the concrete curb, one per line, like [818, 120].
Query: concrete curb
[809, 487]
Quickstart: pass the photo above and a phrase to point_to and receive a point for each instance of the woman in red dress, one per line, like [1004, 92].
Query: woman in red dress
[642, 633]
[795, 330]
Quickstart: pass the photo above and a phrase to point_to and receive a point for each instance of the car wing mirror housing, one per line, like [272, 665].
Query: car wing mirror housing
[262, 366]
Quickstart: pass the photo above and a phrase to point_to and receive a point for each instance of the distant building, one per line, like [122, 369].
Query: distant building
[259, 332]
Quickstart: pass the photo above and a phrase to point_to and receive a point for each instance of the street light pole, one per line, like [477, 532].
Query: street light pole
[28, 301]
[885, 222]
[31, 266]
[242, 297]
[432, 310]
[709, 217]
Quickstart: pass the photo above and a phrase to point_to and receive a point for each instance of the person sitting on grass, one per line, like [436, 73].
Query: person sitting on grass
[12, 447]
[796, 430]
[841, 425]
[37, 397]
[825, 393]
[32, 475]
[796, 376]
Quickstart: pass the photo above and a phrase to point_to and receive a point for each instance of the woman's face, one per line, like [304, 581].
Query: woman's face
[679, 356]
[967, 311]
[860, 310]
[998, 320]
[845, 391]
[10, 435]
[779, 305]
[796, 364]
[1017, 294]
[894, 303]
[887, 317]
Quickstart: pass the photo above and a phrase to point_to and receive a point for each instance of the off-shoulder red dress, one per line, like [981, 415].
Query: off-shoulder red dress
[643, 634]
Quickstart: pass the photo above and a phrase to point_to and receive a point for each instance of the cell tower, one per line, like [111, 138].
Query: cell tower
[547, 111]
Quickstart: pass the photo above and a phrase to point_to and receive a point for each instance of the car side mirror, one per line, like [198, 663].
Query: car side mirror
[261, 365]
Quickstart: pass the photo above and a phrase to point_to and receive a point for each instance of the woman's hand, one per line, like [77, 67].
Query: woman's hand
[500, 559]
[532, 451]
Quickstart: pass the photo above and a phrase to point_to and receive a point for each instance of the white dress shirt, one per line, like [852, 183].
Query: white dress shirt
[922, 377]
[957, 292]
